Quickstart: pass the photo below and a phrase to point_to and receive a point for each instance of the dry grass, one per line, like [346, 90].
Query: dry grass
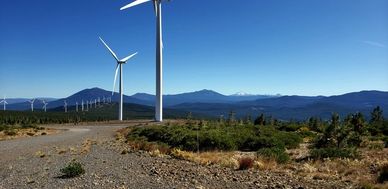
[29, 132]
[245, 163]
[40, 154]
[86, 146]
[363, 171]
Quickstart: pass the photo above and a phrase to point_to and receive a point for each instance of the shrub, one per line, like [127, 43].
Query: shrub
[73, 169]
[3, 127]
[216, 137]
[245, 163]
[10, 132]
[383, 174]
[277, 154]
[333, 153]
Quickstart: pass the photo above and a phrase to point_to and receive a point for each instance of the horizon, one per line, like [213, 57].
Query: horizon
[306, 48]
[280, 95]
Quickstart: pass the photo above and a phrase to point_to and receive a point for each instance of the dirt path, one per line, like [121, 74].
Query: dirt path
[13, 149]
[35, 162]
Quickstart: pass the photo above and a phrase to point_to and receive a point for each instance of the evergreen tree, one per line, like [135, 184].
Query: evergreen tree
[260, 120]
[377, 115]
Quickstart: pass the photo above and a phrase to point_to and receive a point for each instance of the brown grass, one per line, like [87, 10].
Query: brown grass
[245, 163]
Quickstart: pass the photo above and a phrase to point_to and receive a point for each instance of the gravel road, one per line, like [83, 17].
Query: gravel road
[34, 162]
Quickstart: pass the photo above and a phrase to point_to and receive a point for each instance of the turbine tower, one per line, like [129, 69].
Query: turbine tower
[32, 104]
[159, 55]
[76, 106]
[4, 103]
[87, 105]
[65, 105]
[119, 65]
[82, 105]
[44, 105]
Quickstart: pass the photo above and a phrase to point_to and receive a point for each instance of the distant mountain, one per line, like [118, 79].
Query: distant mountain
[297, 107]
[202, 96]
[21, 100]
[85, 95]
[211, 103]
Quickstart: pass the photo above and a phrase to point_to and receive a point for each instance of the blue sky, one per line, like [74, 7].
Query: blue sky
[299, 47]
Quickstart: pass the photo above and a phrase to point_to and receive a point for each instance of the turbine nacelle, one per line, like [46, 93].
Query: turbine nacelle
[119, 61]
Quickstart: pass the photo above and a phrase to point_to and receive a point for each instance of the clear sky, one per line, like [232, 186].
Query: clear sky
[298, 47]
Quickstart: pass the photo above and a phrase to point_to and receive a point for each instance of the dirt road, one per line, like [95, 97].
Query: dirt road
[35, 162]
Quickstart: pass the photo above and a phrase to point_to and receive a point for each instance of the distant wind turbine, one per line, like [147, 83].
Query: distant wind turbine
[119, 65]
[76, 106]
[65, 105]
[32, 104]
[4, 103]
[159, 55]
[44, 105]
[82, 105]
[87, 105]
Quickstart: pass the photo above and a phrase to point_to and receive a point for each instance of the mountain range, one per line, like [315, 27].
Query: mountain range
[211, 103]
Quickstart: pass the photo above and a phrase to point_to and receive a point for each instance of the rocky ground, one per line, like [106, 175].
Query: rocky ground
[35, 162]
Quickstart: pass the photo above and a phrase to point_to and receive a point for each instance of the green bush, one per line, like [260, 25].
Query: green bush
[383, 174]
[277, 154]
[333, 153]
[217, 137]
[73, 169]
[3, 127]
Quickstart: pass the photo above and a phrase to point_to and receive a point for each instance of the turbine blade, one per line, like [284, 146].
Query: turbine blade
[137, 2]
[114, 82]
[110, 50]
[128, 57]
[155, 8]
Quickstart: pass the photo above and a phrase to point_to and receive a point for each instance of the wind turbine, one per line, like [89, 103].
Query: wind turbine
[119, 65]
[87, 105]
[159, 55]
[4, 103]
[82, 105]
[65, 105]
[44, 105]
[32, 104]
[76, 106]
[95, 103]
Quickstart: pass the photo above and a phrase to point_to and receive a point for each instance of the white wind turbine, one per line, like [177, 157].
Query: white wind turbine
[87, 105]
[32, 104]
[82, 105]
[65, 105]
[76, 106]
[4, 103]
[118, 66]
[159, 55]
[44, 105]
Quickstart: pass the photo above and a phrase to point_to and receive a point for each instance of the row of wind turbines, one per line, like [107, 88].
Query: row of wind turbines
[159, 61]
[85, 105]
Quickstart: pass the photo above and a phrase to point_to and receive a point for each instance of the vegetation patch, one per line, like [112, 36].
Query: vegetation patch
[322, 153]
[383, 174]
[277, 154]
[72, 169]
[211, 136]
[245, 163]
